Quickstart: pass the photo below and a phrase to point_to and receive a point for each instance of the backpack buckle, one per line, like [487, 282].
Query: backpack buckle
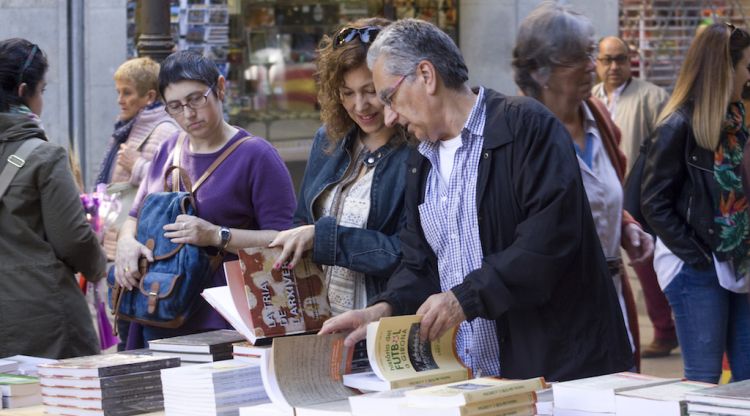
[16, 161]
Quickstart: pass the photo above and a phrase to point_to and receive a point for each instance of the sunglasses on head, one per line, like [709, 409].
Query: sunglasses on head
[366, 35]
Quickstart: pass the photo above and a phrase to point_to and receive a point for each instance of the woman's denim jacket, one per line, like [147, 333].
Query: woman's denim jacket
[376, 250]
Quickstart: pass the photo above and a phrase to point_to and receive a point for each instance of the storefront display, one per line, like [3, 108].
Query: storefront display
[267, 49]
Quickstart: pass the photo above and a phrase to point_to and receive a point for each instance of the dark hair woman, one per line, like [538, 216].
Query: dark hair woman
[45, 238]
[242, 203]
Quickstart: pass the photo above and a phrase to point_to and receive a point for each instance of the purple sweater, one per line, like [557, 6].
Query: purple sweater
[251, 189]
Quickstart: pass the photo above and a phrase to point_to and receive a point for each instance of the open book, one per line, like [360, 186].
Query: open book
[262, 303]
[304, 372]
[399, 359]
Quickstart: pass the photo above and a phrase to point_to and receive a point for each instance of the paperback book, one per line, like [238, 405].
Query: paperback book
[663, 399]
[399, 359]
[262, 302]
[211, 342]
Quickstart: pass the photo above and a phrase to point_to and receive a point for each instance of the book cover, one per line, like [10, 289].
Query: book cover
[280, 302]
[735, 394]
[210, 342]
[106, 365]
[664, 399]
[597, 394]
[474, 391]
[17, 385]
[400, 359]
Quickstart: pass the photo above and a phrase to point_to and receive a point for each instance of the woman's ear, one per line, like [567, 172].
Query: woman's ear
[151, 94]
[220, 87]
[23, 89]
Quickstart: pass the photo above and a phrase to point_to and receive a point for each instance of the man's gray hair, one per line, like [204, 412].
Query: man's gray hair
[552, 34]
[406, 42]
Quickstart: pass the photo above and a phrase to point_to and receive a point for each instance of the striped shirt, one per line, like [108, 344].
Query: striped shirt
[450, 225]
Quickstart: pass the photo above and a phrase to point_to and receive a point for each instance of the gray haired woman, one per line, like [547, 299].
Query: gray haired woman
[553, 62]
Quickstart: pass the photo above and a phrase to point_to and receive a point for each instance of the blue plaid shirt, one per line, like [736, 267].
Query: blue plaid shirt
[450, 225]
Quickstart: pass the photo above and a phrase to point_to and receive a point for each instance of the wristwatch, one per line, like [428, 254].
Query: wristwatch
[225, 236]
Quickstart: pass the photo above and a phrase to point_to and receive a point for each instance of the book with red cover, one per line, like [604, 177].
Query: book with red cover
[266, 303]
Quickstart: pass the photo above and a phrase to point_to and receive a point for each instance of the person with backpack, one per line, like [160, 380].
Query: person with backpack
[244, 200]
[44, 237]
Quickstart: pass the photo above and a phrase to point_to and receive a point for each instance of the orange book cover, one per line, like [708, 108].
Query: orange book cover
[277, 302]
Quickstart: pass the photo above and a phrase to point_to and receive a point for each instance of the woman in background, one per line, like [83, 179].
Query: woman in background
[693, 199]
[45, 238]
[350, 206]
[553, 61]
[142, 125]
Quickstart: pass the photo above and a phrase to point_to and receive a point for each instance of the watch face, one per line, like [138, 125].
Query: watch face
[225, 234]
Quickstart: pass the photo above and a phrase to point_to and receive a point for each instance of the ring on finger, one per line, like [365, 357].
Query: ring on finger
[126, 269]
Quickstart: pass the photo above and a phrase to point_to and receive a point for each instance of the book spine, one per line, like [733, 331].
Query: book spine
[500, 405]
[432, 379]
[519, 387]
[117, 370]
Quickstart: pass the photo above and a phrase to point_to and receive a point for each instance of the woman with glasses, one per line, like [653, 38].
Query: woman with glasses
[693, 199]
[553, 62]
[44, 236]
[350, 205]
[242, 203]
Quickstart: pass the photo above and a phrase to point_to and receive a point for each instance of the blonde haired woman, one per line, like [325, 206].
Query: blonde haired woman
[141, 126]
[693, 199]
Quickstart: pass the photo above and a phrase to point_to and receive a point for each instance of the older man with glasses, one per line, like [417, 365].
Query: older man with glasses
[499, 238]
[634, 105]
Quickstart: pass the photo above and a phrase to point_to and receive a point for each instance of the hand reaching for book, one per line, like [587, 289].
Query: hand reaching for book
[355, 321]
[439, 312]
[294, 243]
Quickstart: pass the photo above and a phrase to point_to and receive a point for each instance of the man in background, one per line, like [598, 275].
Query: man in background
[635, 105]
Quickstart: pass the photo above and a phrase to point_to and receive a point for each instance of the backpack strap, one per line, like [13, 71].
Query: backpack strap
[177, 157]
[16, 161]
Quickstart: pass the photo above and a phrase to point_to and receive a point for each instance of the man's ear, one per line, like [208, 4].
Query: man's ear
[426, 71]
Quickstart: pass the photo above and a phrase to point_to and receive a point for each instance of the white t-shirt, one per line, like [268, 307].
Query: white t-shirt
[447, 152]
[667, 265]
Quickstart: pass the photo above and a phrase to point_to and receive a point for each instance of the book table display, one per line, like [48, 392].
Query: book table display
[39, 411]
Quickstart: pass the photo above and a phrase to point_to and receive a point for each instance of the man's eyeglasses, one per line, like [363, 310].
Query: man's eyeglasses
[366, 35]
[618, 59]
[386, 95]
[194, 102]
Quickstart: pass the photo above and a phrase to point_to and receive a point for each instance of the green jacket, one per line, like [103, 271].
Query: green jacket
[44, 239]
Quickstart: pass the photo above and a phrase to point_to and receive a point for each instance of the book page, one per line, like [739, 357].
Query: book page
[309, 368]
[399, 354]
[220, 298]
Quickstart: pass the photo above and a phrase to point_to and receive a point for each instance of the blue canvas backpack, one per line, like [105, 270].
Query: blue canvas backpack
[169, 289]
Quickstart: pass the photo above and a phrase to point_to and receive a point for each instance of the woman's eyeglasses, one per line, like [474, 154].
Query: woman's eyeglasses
[194, 102]
[366, 35]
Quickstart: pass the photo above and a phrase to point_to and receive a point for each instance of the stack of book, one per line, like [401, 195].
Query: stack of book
[476, 397]
[25, 365]
[663, 399]
[245, 351]
[597, 394]
[8, 366]
[109, 384]
[19, 391]
[217, 388]
[204, 347]
[726, 399]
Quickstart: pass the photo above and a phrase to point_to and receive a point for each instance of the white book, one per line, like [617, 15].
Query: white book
[335, 408]
[379, 403]
[8, 366]
[366, 382]
[265, 409]
[28, 365]
[735, 394]
[597, 394]
[695, 408]
[477, 390]
[663, 399]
